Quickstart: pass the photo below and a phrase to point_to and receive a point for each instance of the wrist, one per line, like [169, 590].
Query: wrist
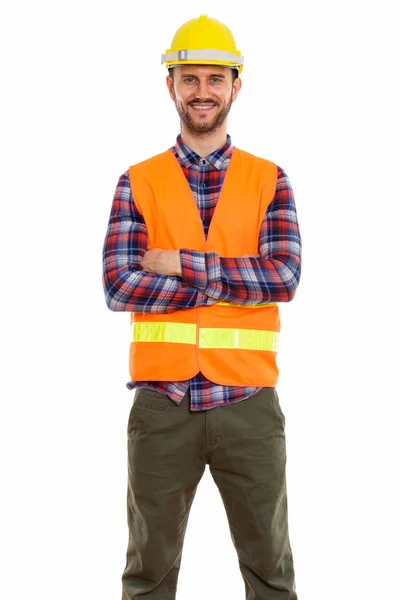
[176, 264]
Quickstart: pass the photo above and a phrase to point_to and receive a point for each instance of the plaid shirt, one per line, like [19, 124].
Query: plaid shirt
[206, 277]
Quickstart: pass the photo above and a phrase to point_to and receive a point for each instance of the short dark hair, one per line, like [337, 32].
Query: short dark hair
[235, 73]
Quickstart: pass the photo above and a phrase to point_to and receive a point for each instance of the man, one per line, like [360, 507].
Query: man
[202, 244]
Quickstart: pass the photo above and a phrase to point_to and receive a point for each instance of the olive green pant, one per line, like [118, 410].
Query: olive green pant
[168, 449]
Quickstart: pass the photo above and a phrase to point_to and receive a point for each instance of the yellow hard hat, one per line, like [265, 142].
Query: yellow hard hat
[203, 41]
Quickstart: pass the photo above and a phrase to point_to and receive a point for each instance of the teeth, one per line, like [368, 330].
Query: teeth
[202, 106]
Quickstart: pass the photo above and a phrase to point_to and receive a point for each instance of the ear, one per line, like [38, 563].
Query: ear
[170, 86]
[237, 85]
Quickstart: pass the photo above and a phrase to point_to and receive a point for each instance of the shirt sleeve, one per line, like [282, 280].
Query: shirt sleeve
[271, 276]
[127, 287]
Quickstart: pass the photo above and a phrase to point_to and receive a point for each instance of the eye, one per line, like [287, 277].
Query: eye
[188, 79]
[216, 79]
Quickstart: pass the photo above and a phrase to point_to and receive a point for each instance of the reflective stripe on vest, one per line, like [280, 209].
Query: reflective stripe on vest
[242, 339]
[185, 333]
[176, 333]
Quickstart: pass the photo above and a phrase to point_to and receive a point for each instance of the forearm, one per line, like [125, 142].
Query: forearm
[242, 280]
[132, 290]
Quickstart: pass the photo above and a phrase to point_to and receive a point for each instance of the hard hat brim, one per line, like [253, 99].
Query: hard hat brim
[204, 62]
[203, 57]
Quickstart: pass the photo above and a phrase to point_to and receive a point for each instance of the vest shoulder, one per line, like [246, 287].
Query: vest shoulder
[153, 161]
[253, 158]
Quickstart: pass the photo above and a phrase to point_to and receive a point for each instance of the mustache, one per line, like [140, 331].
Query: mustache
[198, 101]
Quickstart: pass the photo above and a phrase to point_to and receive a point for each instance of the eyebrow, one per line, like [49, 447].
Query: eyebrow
[221, 75]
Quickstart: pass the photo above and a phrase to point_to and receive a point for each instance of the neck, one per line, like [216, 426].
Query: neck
[204, 144]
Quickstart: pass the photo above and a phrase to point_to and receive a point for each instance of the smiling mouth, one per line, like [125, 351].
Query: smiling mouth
[202, 106]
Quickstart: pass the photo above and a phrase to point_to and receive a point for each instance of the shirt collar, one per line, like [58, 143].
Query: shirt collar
[219, 159]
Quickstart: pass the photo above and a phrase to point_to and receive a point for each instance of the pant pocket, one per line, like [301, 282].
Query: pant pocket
[152, 400]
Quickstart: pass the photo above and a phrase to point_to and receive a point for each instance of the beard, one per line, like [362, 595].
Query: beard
[204, 127]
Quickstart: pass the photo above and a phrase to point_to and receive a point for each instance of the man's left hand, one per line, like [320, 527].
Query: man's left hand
[162, 262]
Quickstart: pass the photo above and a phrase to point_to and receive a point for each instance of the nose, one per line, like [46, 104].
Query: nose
[202, 90]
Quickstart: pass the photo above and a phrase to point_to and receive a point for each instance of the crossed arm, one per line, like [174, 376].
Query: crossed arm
[161, 281]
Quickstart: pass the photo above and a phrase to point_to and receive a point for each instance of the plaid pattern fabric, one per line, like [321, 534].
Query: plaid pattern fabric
[206, 277]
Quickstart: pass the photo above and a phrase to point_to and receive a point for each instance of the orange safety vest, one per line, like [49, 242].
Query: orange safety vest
[230, 344]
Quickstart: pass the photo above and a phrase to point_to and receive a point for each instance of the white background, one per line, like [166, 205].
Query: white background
[84, 97]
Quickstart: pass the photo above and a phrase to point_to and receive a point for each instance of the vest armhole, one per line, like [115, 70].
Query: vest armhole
[134, 197]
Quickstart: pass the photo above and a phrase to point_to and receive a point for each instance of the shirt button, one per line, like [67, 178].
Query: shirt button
[203, 161]
[202, 185]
